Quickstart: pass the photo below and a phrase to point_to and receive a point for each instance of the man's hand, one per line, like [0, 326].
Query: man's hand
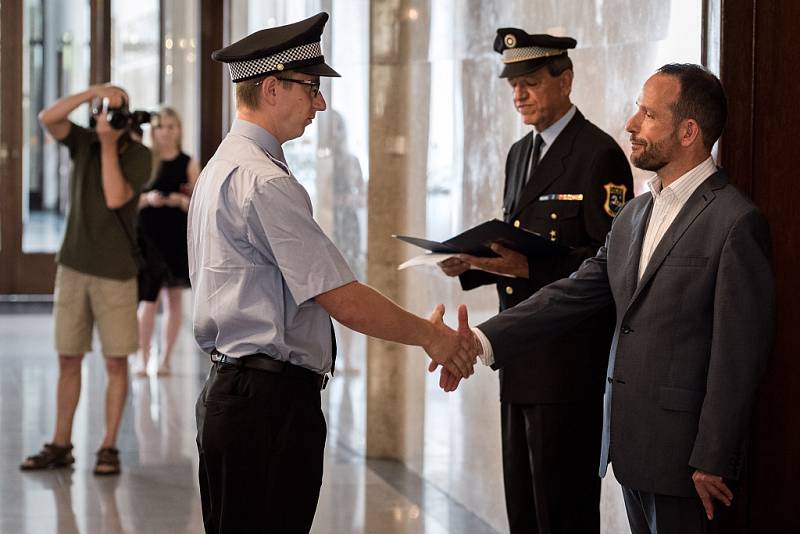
[116, 95]
[711, 487]
[116, 98]
[449, 347]
[510, 262]
[453, 266]
[108, 136]
[448, 380]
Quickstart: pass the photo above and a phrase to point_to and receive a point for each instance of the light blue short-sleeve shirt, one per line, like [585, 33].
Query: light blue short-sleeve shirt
[257, 258]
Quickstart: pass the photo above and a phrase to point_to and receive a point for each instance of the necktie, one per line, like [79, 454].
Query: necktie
[537, 154]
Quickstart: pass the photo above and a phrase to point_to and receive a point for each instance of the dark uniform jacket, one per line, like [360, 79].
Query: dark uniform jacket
[691, 340]
[579, 185]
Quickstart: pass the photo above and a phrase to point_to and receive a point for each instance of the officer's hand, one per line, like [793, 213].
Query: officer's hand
[105, 132]
[450, 348]
[510, 262]
[453, 266]
[710, 487]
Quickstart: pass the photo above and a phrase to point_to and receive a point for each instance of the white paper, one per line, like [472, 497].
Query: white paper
[433, 258]
[430, 258]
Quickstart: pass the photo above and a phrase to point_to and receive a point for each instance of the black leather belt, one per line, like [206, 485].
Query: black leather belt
[265, 362]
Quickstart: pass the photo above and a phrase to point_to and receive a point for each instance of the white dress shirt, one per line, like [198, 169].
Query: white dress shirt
[667, 203]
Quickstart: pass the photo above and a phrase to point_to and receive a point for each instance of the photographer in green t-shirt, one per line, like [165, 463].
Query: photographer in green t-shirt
[97, 267]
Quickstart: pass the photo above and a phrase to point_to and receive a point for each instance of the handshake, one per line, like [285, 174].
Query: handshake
[455, 350]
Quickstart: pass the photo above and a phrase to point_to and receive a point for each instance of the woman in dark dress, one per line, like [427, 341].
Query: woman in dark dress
[162, 232]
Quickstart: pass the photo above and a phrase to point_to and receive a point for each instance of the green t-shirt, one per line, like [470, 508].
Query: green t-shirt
[95, 242]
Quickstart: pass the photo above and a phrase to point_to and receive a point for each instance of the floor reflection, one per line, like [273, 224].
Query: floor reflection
[157, 491]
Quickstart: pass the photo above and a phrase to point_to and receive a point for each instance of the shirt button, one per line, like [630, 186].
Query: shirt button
[553, 235]
[516, 223]
[509, 290]
[554, 216]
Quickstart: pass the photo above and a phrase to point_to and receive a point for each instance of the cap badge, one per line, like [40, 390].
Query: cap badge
[510, 40]
[279, 66]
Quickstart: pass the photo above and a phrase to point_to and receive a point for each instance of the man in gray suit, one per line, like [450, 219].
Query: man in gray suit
[687, 269]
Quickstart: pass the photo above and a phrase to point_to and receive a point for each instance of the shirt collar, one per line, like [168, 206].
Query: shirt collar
[684, 186]
[259, 136]
[550, 133]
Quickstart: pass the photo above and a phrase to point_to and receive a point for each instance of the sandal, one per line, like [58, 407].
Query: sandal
[51, 456]
[107, 462]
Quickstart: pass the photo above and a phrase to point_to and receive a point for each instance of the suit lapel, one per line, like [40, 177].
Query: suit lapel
[639, 223]
[700, 199]
[552, 164]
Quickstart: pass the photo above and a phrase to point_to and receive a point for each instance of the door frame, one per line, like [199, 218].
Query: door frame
[20, 272]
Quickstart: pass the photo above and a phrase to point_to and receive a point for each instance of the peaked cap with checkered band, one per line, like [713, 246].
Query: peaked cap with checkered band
[292, 47]
[524, 53]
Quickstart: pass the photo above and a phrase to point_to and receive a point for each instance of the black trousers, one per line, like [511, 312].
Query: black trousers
[652, 513]
[550, 466]
[261, 438]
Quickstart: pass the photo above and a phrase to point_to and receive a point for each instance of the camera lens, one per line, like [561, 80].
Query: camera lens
[118, 118]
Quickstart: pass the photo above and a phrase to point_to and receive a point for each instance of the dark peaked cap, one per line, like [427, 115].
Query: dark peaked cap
[292, 47]
[524, 53]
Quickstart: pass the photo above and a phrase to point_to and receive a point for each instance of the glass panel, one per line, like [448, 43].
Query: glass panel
[55, 64]
[136, 59]
[331, 161]
[180, 66]
[135, 52]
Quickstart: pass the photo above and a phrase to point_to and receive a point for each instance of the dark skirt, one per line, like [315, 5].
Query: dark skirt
[162, 240]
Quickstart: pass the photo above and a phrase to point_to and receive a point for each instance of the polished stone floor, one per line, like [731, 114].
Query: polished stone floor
[157, 491]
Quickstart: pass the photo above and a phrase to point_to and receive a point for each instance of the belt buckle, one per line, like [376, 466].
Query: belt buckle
[325, 379]
[218, 357]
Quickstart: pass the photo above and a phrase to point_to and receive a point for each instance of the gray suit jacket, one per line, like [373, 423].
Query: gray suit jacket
[691, 340]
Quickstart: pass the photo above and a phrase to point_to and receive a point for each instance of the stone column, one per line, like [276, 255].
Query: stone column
[399, 89]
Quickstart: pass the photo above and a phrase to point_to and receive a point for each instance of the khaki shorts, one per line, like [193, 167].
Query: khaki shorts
[81, 300]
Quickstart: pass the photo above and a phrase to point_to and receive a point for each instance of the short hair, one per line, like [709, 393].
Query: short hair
[559, 64]
[702, 98]
[247, 93]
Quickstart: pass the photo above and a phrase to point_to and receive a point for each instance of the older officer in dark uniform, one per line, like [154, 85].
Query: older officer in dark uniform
[566, 181]
[266, 281]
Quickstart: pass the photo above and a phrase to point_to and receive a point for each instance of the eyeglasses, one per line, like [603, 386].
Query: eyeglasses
[314, 86]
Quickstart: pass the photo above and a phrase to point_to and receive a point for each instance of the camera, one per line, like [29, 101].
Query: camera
[121, 117]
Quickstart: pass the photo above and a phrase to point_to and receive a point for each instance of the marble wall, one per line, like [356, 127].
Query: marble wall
[441, 123]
